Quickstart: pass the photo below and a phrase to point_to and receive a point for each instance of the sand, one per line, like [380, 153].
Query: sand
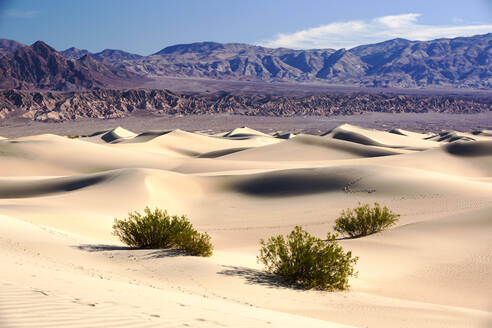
[62, 267]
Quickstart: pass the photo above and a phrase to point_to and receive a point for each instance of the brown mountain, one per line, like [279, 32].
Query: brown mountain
[41, 67]
[113, 56]
[464, 62]
[9, 46]
[233, 61]
[108, 56]
[461, 62]
[74, 53]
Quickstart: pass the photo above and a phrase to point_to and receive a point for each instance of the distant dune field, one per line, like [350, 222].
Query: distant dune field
[61, 265]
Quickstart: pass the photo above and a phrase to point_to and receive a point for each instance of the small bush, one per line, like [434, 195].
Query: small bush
[156, 229]
[195, 243]
[364, 220]
[308, 261]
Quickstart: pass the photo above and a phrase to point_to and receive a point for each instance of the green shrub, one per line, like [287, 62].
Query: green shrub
[364, 220]
[308, 261]
[156, 229]
[195, 243]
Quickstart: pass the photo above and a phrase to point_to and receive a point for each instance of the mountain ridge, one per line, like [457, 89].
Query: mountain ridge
[462, 62]
[40, 66]
[9, 46]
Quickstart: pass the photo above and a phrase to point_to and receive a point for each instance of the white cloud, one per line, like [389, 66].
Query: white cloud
[352, 33]
[22, 14]
[397, 21]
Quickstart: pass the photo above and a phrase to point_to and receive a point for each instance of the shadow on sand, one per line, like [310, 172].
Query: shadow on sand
[160, 253]
[145, 252]
[346, 238]
[102, 248]
[255, 277]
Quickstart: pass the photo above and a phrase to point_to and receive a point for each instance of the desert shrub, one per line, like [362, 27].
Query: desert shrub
[195, 243]
[157, 229]
[364, 220]
[308, 261]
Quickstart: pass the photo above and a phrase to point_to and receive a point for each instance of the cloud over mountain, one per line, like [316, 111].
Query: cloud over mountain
[349, 34]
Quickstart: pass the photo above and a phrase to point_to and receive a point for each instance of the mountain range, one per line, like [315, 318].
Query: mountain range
[464, 62]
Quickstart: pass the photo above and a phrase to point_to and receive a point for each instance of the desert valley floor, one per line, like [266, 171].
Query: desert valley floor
[61, 265]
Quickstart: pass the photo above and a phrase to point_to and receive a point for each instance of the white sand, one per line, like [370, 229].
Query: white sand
[62, 267]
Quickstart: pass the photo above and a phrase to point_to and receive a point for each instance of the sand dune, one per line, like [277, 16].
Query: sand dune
[379, 138]
[287, 135]
[189, 144]
[410, 133]
[244, 132]
[470, 159]
[485, 133]
[451, 136]
[351, 179]
[308, 148]
[117, 134]
[451, 259]
[55, 155]
[60, 285]
[475, 149]
[63, 267]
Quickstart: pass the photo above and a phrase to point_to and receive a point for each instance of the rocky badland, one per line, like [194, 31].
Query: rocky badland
[106, 103]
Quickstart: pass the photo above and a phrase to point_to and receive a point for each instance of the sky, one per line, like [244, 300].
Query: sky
[146, 26]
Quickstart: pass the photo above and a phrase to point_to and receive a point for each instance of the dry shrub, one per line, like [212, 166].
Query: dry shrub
[157, 229]
[364, 220]
[308, 261]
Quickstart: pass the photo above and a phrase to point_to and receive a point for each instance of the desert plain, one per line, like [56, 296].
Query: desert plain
[61, 265]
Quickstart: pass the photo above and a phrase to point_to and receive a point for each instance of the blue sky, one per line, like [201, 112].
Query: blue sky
[147, 26]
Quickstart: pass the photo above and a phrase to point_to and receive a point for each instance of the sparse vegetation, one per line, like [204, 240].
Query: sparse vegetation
[157, 229]
[73, 137]
[308, 261]
[364, 220]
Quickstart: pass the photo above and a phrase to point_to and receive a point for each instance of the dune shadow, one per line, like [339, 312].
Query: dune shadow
[255, 277]
[290, 183]
[82, 183]
[355, 137]
[346, 146]
[102, 248]
[222, 152]
[470, 149]
[49, 186]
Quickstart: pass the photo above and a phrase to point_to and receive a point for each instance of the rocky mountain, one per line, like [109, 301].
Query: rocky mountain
[464, 62]
[460, 62]
[41, 67]
[232, 61]
[113, 56]
[103, 103]
[74, 53]
[9, 46]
